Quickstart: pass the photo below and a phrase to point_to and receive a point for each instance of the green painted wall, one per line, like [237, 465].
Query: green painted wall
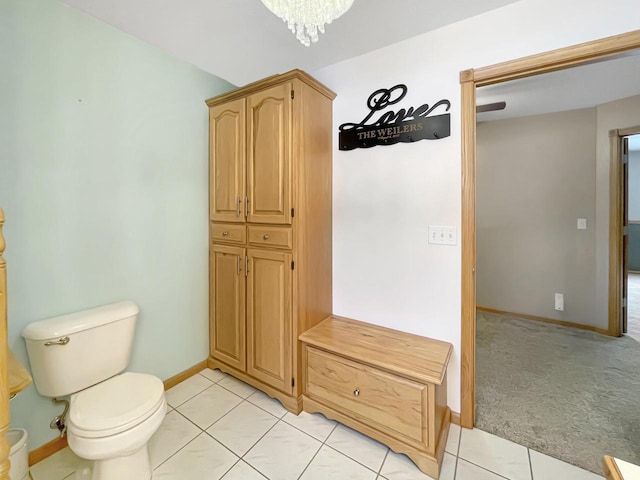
[103, 179]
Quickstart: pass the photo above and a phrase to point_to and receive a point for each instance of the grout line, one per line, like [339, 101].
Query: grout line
[318, 451]
[202, 430]
[223, 445]
[383, 460]
[217, 420]
[530, 464]
[193, 396]
[197, 435]
[225, 375]
[230, 468]
[240, 457]
[455, 469]
[332, 430]
[193, 439]
[236, 394]
[258, 441]
[254, 469]
[203, 376]
[308, 434]
[228, 389]
[191, 421]
[264, 409]
[485, 469]
[175, 453]
[309, 463]
[324, 443]
[350, 458]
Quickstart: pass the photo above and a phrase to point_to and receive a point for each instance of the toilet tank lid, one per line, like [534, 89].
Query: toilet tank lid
[76, 322]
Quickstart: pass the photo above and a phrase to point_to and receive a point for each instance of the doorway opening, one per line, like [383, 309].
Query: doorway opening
[541, 164]
[470, 80]
[625, 231]
[611, 288]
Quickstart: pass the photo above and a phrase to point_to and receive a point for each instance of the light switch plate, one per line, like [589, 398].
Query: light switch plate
[443, 235]
[582, 224]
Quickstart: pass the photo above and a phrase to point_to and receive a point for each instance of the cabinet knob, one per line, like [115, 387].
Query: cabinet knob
[265, 236]
[356, 392]
[225, 234]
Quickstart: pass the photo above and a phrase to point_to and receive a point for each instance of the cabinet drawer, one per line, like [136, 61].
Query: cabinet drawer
[281, 237]
[390, 403]
[228, 232]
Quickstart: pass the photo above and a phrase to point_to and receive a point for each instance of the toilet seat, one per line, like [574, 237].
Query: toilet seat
[115, 405]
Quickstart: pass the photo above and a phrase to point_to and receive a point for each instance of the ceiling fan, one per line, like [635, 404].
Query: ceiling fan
[491, 107]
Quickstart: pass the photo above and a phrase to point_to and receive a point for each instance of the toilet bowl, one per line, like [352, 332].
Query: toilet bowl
[112, 415]
[112, 422]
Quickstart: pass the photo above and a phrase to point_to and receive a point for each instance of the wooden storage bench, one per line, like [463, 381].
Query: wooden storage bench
[615, 469]
[386, 384]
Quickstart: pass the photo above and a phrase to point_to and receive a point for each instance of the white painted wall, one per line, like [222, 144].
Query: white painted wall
[384, 198]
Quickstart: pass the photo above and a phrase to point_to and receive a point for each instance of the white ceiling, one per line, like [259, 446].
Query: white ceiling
[242, 41]
[574, 88]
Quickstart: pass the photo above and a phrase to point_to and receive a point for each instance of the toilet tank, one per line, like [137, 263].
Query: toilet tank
[72, 352]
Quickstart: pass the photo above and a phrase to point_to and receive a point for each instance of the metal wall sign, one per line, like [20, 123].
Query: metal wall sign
[391, 127]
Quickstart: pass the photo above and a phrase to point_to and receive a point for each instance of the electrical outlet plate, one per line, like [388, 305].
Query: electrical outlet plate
[443, 235]
[559, 297]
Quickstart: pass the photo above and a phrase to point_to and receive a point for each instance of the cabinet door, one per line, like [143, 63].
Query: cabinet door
[227, 305]
[269, 155]
[227, 152]
[269, 355]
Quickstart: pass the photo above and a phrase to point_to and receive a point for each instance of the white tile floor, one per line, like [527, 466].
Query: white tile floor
[220, 428]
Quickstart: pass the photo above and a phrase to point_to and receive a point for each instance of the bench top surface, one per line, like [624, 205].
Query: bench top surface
[620, 470]
[413, 356]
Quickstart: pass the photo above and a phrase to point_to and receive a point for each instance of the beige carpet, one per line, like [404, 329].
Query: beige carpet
[569, 393]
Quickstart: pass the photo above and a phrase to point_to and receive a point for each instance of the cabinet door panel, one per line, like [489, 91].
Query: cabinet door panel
[227, 161]
[269, 355]
[227, 305]
[269, 155]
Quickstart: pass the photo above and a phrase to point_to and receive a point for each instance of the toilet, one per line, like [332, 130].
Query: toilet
[112, 415]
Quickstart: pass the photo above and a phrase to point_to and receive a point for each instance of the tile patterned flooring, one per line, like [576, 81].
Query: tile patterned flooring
[220, 428]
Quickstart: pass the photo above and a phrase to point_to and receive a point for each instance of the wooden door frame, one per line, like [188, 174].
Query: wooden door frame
[471, 79]
[616, 200]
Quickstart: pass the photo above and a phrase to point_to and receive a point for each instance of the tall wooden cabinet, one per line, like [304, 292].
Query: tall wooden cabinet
[270, 228]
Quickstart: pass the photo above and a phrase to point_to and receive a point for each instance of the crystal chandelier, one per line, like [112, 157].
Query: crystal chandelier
[306, 17]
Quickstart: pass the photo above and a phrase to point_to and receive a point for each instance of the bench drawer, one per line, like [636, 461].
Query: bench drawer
[391, 403]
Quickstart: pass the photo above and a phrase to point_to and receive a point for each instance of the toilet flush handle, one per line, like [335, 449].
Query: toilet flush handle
[62, 341]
